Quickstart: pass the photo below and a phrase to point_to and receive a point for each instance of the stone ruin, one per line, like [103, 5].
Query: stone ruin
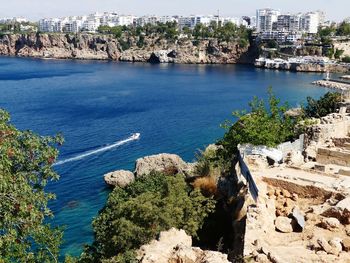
[303, 210]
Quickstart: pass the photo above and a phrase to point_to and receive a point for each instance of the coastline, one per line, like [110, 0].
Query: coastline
[106, 47]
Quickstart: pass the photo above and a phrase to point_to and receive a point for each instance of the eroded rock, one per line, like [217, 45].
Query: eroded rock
[330, 223]
[119, 178]
[176, 246]
[162, 163]
[284, 224]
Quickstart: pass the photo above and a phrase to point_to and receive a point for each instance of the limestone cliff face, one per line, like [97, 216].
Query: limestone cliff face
[104, 47]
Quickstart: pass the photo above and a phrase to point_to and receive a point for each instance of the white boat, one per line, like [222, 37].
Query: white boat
[135, 136]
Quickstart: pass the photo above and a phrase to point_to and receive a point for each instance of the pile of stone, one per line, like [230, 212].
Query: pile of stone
[176, 246]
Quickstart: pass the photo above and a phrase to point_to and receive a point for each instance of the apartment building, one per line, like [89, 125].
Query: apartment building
[266, 19]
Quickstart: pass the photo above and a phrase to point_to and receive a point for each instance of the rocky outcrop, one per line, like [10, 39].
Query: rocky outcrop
[119, 178]
[155, 49]
[167, 163]
[60, 46]
[176, 246]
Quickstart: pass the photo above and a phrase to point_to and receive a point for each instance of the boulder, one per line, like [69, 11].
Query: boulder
[176, 246]
[119, 178]
[330, 223]
[169, 163]
[299, 218]
[327, 247]
[341, 211]
[346, 244]
[284, 224]
[336, 243]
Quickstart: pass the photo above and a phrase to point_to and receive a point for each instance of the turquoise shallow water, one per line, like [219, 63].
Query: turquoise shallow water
[176, 108]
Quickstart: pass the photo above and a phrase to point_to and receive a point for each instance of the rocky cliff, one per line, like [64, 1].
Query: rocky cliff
[154, 49]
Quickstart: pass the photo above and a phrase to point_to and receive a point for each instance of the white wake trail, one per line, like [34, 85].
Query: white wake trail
[133, 137]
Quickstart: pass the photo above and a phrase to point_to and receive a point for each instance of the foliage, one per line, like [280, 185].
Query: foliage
[226, 32]
[325, 105]
[338, 53]
[116, 30]
[343, 29]
[346, 59]
[326, 31]
[25, 168]
[137, 214]
[264, 125]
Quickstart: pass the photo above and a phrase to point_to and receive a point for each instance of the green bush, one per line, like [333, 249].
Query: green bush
[25, 168]
[137, 214]
[346, 59]
[263, 125]
[327, 104]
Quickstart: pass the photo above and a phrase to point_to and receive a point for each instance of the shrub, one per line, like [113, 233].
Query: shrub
[327, 104]
[346, 59]
[25, 168]
[137, 214]
[263, 125]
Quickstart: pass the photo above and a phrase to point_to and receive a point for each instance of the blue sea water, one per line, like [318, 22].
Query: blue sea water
[176, 108]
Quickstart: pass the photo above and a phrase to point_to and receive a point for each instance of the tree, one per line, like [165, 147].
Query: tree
[25, 168]
[327, 104]
[137, 214]
[343, 29]
[263, 125]
[338, 53]
[346, 59]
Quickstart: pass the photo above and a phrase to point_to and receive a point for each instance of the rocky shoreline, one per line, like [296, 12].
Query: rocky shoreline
[155, 49]
[332, 85]
[298, 67]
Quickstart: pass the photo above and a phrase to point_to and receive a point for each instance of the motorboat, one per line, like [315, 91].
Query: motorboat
[136, 136]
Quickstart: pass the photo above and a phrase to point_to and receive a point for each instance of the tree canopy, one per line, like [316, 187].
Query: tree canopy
[25, 168]
[137, 214]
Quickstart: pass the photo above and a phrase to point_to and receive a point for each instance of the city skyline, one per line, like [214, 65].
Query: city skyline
[37, 9]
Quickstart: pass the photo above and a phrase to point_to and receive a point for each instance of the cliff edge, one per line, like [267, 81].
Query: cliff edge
[155, 49]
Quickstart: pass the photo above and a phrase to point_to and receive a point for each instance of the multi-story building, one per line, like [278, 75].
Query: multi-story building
[50, 25]
[288, 23]
[125, 20]
[310, 22]
[265, 19]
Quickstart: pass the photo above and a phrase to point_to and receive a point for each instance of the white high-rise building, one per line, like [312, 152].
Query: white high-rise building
[265, 19]
[126, 20]
[310, 22]
[50, 25]
[288, 23]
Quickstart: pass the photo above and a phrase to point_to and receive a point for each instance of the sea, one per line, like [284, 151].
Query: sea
[98, 105]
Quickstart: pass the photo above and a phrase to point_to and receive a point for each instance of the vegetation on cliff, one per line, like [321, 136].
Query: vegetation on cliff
[265, 124]
[137, 214]
[25, 169]
[171, 31]
[327, 104]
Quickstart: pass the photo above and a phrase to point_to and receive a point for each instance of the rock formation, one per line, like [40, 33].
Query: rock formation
[119, 178]
[106, 47]
[168, 163]
[176, 246]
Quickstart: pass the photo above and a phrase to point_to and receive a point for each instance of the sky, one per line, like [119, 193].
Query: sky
[34, 9]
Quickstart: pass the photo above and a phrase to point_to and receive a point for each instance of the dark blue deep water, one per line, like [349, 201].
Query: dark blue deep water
[176, 108]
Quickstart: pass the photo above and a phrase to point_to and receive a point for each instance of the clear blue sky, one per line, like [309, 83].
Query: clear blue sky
[34, 9]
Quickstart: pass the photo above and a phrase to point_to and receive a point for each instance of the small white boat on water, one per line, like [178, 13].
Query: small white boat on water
[135, 136]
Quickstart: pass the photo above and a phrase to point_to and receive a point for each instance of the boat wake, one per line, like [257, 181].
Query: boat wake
[133, 137]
